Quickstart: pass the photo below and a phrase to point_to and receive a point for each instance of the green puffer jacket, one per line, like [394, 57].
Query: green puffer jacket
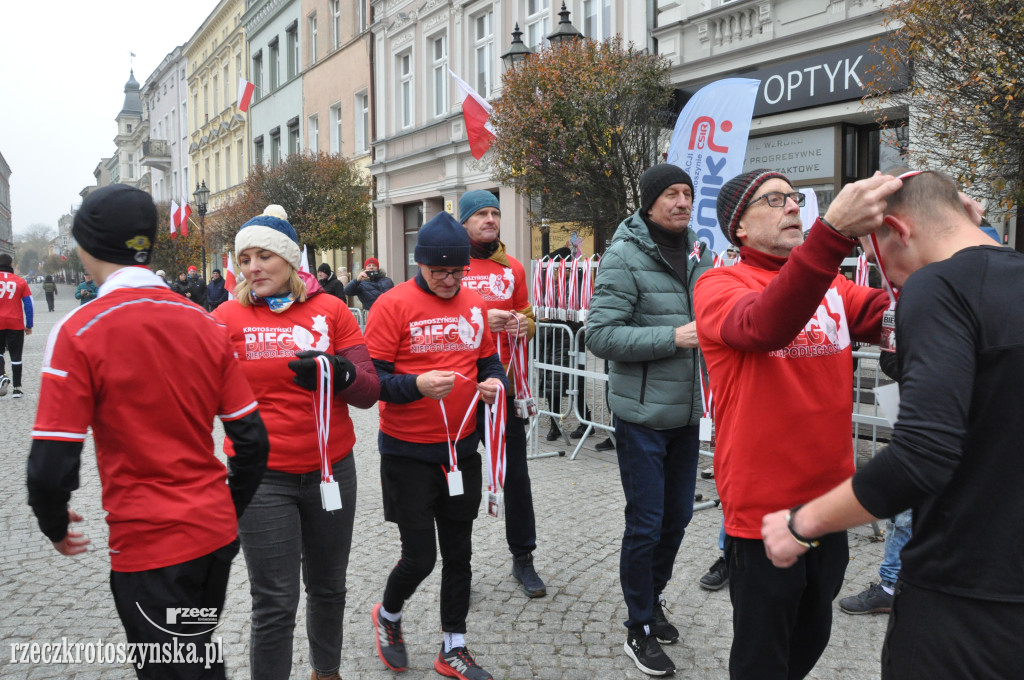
[638, 303]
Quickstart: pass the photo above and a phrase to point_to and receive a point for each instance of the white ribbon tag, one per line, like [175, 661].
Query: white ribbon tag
[705, 429]
[455, 483]
[330, 496]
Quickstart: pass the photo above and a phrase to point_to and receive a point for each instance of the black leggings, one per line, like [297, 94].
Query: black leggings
[12, 341]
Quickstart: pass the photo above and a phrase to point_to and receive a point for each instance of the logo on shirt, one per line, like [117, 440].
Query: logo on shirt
[826, 333]
[271, 342]
[492, 286]
[447, 333]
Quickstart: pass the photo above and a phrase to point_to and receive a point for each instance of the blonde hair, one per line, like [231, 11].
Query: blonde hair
[295, 285]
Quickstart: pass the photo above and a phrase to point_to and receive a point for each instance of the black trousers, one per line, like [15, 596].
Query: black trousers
[935, 636]
[782, 618]
[143, 599]
[520, 521]
[416, 498]
[12, 341]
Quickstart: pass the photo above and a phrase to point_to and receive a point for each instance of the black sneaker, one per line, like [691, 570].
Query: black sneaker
[390, 647]
[717, 576]
[605, 444]
[5, 384]
[17, 393]
[522, 569]
[580, 430]
[646, 653]
[459, 663]
[664, 631]
[553, 432]
[874, 600]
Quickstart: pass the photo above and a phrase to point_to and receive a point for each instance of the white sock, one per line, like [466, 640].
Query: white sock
[888, 589]
[389, 616]
[453, 640]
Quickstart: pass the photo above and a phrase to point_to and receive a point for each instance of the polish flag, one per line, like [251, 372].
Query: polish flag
[229, 275]
[174, 219]
[186, 212]
[304, 262]
[245, 91]
[477, 112]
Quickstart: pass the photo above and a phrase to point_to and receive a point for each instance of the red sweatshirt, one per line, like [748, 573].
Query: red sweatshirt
[776, 336]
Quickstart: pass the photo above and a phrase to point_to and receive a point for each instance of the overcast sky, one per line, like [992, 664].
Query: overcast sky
[63, 67]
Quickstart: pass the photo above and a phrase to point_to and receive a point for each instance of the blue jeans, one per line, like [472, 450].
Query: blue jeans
[897, 533]
[285, 531]
[659, 475]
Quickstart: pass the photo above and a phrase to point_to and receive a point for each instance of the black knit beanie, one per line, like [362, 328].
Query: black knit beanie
[117, 224]
[735, 195]
[325, 268]
[442, 242]
[658, 178]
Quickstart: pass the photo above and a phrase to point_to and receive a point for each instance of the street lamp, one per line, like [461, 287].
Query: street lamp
[202, 196]
[517, 51]
[565, 32]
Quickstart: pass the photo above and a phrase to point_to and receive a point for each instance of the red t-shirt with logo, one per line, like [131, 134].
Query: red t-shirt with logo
[782, 417]
[148, 371]
[500, 287]
[265, 342]
[420, 332]
[13, 290]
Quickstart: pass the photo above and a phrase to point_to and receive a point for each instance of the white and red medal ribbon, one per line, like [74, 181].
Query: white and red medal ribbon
[718, 261]
[706, 422]
[538, 288]
[550, 301]
[453, 474]
[863, 270]
[572, 305]
[587, 287]
[323, 402]
[561, 283]
[893, 293]
[494, 440]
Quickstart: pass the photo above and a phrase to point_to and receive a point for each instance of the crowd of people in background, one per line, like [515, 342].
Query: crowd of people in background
[772, 334]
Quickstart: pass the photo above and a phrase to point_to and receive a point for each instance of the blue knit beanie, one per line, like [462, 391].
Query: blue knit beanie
[269, 233]
[442, 242]
[474, 201]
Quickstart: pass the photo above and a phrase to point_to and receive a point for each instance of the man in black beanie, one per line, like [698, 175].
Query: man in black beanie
[641, 320]
[115, 365]
[776, 331]
[329, 282]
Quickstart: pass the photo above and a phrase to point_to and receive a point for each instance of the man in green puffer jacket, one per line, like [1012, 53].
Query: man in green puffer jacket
[641, 320]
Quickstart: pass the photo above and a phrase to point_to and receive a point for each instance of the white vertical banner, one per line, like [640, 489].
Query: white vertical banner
[809, 212]
[709, 143]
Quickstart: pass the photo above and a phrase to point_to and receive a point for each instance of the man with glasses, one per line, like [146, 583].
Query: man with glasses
[641, 320]
[776, 332]
[955, 451]
[435, 355]
[500, 280]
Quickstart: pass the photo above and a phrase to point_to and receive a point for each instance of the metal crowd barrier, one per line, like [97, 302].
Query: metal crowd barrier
[360, 315]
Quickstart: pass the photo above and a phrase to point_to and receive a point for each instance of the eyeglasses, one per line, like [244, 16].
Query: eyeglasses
[777, 199]
[442, 274]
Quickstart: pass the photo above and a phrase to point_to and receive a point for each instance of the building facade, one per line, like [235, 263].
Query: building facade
[814, 61]
[132, 129]
[215, 56]
[6, 226]
[275, 67]
[336, 89]
[422, 163]
[165, 107]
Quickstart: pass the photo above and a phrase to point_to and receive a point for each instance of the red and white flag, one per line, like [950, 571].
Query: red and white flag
[245, 91]
[229, 275]
[477, 113]
[174, 219]
[185, 213]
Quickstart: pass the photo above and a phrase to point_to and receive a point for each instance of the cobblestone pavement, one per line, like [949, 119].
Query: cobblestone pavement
[574, 632]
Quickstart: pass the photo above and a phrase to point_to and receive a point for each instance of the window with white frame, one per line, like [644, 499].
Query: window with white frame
[483, 44]
[216, 97]
[294, 143]
[336, 23]
[257, 146]
[240, 155]
[597, 19]
[313, 133]
[227, 86]
[405, 93]
[227, 166]
[361, 15]
[275, 64]
[439, 60]
[257, 76]
[335, 129]
[292, 44]
[362, 121]
[537, 22]
[312, 39]
[275, 147]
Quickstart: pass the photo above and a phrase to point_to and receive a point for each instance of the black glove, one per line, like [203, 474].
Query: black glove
[305, 367]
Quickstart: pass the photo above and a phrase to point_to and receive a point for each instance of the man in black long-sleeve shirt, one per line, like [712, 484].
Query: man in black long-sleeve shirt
[115, 365]
[955, 455]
